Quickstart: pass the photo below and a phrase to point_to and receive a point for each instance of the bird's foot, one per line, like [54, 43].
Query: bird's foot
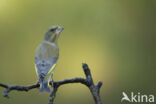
[52, 83]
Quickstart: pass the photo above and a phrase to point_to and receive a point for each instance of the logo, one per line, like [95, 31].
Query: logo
[137, 97]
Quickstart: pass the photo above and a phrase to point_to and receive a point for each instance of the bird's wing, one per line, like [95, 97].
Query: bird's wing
[45, 66]
[45, 58]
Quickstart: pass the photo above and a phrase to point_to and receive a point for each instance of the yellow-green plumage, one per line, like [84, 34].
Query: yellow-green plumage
[46, 57]
[46, 51]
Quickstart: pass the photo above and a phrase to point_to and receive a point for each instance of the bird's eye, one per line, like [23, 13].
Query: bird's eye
[52, 30]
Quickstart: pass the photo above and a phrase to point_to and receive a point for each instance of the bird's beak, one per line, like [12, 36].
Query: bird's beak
[59, 29]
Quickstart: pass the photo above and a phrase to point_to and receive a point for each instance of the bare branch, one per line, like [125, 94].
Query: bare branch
[56, 85]
[88, 81]
[93, 89]
[52, 95]
[18, 88]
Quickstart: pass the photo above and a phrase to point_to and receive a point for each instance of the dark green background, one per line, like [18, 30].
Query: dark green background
[116, 38]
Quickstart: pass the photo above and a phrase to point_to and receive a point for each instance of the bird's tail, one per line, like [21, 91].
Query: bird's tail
[44, 86]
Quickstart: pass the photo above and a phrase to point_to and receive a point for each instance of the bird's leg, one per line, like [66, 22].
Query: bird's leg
[52, 80]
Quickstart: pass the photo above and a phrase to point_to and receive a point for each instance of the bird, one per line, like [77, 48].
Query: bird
[125, 97]
[46, 57]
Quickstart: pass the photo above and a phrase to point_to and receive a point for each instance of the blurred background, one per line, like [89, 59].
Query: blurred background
[116, 38]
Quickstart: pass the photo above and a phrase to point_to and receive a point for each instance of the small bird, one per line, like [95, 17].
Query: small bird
[46, 57]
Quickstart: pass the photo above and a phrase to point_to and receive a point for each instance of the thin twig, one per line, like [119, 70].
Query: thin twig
[9, 88]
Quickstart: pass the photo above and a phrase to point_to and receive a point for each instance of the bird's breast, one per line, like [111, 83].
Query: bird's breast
[46, 51]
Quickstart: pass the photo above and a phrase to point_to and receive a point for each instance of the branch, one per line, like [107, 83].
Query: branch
[57, 84]
[9, 88]
[88, 81]
[94, 89]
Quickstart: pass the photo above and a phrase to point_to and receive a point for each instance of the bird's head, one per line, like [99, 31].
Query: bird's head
[52, 33]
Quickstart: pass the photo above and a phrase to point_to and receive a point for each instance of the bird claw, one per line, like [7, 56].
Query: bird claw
[52, 82]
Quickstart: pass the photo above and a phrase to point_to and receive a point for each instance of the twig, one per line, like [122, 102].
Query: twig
[9, 88]
[88, 81]
[93, 88]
